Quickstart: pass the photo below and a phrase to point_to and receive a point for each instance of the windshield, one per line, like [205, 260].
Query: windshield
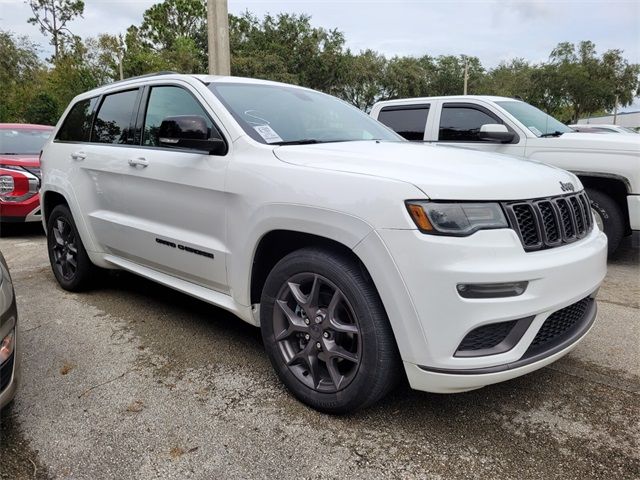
[535, 120]
[22, 141]
[277, 114]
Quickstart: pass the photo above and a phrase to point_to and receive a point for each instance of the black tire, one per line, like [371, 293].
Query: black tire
[378, 363]
[611, 216]
[80, 277]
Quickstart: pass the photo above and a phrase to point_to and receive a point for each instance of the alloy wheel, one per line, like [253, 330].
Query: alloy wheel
[65, 250]
[317, 332]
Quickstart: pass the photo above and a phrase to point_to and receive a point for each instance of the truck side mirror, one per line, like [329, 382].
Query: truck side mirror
[189, 131]
[495, 132]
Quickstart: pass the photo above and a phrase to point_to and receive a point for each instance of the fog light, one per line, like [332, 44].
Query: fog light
[491, 290]
[6, 347]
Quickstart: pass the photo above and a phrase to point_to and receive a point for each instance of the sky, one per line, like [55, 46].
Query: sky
[493, 30]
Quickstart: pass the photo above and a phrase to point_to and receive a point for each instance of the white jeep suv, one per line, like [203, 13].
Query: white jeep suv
[360, 255]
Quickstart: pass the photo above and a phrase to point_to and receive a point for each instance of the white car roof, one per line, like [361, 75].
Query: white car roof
[178, 76]
[489, 98]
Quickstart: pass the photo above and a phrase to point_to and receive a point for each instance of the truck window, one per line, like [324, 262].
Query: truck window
[113, 120]
[77, 126]
[407, 120]
[462, 122]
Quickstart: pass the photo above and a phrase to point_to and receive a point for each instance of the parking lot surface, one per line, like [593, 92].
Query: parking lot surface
[133, 380]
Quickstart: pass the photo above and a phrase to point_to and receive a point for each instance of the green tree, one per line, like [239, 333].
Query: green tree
[42, 109]
[52, 16]
[362, 78]
[19, 68]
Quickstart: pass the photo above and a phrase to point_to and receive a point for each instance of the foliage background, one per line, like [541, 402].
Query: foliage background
[172, 35]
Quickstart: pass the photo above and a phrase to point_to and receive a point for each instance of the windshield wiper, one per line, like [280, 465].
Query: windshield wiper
[557, 133]
[304, 141]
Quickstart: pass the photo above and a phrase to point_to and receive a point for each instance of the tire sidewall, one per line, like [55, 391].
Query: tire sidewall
[611, 218]
[354, 394]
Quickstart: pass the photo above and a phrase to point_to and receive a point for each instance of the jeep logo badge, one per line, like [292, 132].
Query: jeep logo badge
[567, 187]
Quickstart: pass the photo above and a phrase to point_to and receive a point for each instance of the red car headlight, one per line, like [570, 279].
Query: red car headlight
[17, 185]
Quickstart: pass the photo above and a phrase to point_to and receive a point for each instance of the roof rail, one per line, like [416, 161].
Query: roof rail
[153, 74]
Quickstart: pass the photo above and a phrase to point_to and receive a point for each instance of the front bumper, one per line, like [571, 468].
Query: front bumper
[26, 211]
[432, 266]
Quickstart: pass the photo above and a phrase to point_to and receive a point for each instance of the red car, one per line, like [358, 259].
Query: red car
[20, 146]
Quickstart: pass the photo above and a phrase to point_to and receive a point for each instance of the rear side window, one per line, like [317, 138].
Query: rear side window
[113, 120]
[461, 123]
[408, 121]
[168, 101]
[77, 125]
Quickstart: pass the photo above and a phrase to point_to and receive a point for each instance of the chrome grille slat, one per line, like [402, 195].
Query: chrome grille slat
[550, 222]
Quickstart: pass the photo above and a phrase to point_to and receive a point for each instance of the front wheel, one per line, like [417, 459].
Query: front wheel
[326, 332]
[608, 217]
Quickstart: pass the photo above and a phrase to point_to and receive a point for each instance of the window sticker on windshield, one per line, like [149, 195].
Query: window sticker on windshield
[535, 130]
[268, 134]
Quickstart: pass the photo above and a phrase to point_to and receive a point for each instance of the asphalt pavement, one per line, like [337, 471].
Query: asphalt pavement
[134, 380]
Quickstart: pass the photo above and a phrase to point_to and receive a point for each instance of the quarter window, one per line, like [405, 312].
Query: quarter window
[461, 123]
[171, 102]
[77, 126]
[409, 121]
[113, 121]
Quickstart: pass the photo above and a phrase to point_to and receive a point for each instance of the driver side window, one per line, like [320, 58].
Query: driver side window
[170, 101]
[461, 123]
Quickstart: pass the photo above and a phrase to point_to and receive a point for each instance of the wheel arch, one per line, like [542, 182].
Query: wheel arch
[614, 186]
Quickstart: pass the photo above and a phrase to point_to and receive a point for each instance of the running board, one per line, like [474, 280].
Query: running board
[205, 294]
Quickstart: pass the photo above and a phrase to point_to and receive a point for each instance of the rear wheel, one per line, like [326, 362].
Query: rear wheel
[326, 331]
[69, 260]
[608, 217]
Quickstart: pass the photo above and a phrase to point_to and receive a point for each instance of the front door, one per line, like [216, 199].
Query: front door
[175, 198]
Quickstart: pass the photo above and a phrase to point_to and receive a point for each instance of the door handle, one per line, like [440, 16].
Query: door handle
[138, 162]
[78, 156]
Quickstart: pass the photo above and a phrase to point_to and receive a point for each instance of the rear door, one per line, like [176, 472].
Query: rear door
[458, 124]
[174, 199]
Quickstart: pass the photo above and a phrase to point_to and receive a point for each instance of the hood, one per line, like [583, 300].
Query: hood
[20, 160]
[595, 141]
[441, 172]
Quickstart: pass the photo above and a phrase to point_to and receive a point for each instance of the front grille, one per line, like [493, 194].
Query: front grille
[559, 326]
[486, 336]
[6, 370]
[550, 222]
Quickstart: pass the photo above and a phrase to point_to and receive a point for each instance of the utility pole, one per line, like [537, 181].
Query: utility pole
[615, 111]
[218, 37]
[466, 74]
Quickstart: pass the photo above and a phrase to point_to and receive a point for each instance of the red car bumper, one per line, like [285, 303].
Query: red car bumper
[26, 211]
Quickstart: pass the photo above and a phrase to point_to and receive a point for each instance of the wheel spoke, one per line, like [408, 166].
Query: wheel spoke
[336, 351]
[60, 224]
[295, 323]
[72, 248]
[336, 377]
[71, 261]
[300, 297]
[58, 237]
[314, 295]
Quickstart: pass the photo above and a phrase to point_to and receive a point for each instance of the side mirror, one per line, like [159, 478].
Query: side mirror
[495, 132]
[188, 131]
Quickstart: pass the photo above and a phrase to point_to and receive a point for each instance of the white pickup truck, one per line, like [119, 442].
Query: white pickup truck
[607, 165]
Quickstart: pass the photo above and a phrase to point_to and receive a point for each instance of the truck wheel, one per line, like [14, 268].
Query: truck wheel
[69, 260]
[326, 332]
[608, 217]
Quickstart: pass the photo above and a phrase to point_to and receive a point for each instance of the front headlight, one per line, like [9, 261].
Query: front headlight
[6, 346]
[457, 219]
